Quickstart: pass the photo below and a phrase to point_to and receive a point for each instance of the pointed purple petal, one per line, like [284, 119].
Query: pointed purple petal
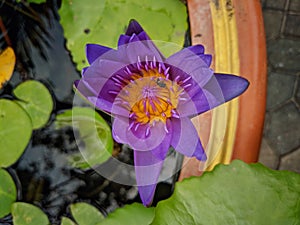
[93, 51]
[197, 49]
[231, 85]
[148, 165]
[186, 140]
[134, 28]
[123, 39]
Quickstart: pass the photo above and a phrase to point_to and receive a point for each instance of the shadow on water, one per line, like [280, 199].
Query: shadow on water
[42, 175]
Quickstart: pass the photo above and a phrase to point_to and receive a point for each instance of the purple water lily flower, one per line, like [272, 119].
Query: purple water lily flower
[152, 98]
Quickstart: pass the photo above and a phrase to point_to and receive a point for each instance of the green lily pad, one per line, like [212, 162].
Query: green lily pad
[15, 132]
[234, 194]
[36, 100]
[95, 140]
[34, 1]
[101, 22]
[134, 214]
[66, 221]
[8, 192]
[86, 214]
[27, 214]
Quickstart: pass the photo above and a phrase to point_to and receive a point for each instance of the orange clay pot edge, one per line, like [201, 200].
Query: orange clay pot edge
[252, 104]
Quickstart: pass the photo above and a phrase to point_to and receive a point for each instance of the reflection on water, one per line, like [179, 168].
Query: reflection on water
[46, 179]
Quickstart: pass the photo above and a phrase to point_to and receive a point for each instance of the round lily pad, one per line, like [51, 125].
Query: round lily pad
[86, 214]
[15, 132]
[37, 101]
[8, 192]
[27, 214]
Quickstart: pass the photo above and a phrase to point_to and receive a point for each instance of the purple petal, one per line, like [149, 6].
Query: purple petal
[195, 104]
[185, 139]
[191, 64]
[134, 28]
[93, 51]
[103, 68]
[139, 49]
[123, 39]
[206, 58]
[231, 85]
[135, 136]
[197, 49]
[148, 165]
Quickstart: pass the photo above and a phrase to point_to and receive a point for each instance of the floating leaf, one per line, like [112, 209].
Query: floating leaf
[7, 65]
[94, 134]
[66, 221]
[134, 214]
[36, 100]
[27, 214]
[234, 194]
[103, 21]
[8, 192]
[15, 132]
[86, 214]
[34, 1]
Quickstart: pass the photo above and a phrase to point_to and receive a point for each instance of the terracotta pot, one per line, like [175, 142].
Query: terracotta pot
[233, 32]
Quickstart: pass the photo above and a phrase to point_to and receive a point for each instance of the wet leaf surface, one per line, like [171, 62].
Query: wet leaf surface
[36, 100]
[15, 132]
[8, 192]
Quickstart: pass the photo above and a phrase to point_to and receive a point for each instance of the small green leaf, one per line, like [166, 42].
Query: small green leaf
[27, 214]
[36, 100]
[235, 194]
[101, 22]
[34, 1]
[15, 132]
[94, 133]
[134, 214]
[86, 214]
[8, 192]
[66, 221]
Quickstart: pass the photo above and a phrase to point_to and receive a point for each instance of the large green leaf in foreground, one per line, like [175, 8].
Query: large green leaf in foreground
[15, 132]
[101, 22]
[8, 192]
[234, 194]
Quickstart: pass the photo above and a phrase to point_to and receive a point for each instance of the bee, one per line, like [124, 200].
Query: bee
[160, 83]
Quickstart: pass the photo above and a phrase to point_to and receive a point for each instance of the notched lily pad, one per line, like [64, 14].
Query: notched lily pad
[134, 214]
[15, 132]
[94, 140]
[37, 101]
[8, 192]
[234, 194]
[101, 22]
[27, 214]
[85, 214]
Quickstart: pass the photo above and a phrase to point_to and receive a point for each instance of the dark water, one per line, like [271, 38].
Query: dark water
[42, 175]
